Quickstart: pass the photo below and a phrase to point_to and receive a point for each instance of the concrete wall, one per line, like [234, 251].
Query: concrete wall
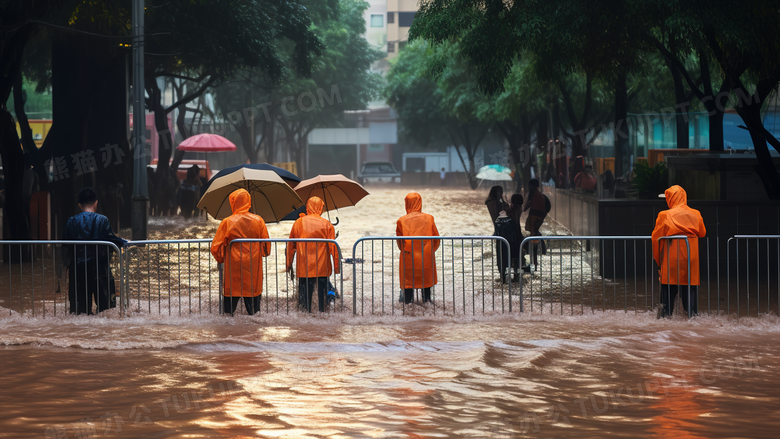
[587, 216]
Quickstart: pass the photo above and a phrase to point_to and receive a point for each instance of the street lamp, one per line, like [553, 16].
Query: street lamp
[140, 189]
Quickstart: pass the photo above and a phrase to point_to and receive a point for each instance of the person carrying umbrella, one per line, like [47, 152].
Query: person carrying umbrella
[314, 258]
[418, 262]
[244, 265]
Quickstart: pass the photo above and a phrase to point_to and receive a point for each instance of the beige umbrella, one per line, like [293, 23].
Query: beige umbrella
[272, 198]
[336, 191]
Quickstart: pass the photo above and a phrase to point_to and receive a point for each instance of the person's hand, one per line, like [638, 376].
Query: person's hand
[292, 272]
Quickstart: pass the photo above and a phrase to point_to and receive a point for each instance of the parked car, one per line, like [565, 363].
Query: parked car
[378, 172]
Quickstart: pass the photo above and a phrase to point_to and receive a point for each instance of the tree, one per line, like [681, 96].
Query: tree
[18, 26]
[446, 106]
[241, 34]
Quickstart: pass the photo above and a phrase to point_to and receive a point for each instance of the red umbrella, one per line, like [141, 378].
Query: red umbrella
[206, 143]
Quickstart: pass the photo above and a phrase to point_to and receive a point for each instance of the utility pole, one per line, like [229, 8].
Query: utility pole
[140, 188]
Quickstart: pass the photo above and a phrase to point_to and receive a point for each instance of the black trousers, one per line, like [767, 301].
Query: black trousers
[409, 295]
[252, 304]
[669, 294]
[86, 286]
[306, 288]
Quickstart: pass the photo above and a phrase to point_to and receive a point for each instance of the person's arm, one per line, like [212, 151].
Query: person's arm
[399, 231]
[702, 232]
[334, 252]
[219, 242]
[265, 247]
[107, 233]
[527, 204]
[434, 232]
[658, 232]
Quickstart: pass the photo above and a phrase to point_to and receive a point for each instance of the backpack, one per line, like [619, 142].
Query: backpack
[547, 205]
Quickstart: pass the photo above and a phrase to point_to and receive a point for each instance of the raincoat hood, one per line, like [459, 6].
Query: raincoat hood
[314, 206]
[676, 197]
[413, 202]
[240, 201]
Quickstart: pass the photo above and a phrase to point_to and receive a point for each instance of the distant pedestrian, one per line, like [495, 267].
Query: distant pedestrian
[672, 255]
[418, 259]
[313, 263]
[505, 227]
[89, 266]
[244, 264]
[442, 176]
[537, 206]
[495, 202]
[190, 191]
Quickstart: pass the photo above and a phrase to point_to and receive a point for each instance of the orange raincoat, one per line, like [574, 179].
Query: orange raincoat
[678, 220]
[418, 260]
[314, 259]
[244, 267]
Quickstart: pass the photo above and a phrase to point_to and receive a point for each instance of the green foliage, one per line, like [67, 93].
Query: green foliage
[37, 105]
[649, 182]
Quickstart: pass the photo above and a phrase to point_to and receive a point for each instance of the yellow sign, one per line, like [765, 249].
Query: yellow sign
[287, 166]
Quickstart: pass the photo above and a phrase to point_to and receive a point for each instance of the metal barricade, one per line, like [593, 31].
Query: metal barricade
[171, 277]
[759, 263]
[590, 272]
[283, 296]
[35, 278]
[464, 265]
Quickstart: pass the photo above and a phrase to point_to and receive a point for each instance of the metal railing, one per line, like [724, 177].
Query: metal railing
[742, 266]
[464, 268]
[171, 277]
[275, 265]
[575, 275]
[40, 282]
[590, 272]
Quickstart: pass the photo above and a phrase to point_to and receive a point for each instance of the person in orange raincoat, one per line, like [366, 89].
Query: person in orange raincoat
[672, 255]
[418, 260]
[244, 266]
[314, 259]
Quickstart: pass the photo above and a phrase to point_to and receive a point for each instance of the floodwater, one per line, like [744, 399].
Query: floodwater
[606, 374]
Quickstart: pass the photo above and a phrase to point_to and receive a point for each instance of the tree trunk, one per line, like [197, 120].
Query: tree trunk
[162, 177]
[750, 113]
[621, 115]
[681, 116]
[13, 160]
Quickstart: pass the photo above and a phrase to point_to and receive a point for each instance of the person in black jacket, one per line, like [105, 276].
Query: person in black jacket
[89, 266]
[507, 228]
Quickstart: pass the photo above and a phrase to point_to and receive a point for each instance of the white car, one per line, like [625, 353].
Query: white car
[378, 172]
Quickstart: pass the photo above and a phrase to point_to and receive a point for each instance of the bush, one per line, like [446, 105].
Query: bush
[648, 181]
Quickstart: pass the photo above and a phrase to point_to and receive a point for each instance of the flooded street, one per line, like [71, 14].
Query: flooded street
[603, 374]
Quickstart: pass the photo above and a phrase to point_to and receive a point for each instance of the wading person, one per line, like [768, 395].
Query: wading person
[313, 263]
[244, 265]
[537, 206]
[508, 229]
[495, 202]
[190, 191]
[89, 266]
[418, 261]
[671, 255]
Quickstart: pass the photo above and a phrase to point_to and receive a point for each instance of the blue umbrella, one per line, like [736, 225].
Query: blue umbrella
[287, 176]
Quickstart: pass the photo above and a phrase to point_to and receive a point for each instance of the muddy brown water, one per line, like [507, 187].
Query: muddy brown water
[601, 374]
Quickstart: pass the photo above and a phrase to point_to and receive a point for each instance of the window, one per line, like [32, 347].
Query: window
[390, 17]
[390, 47]
[376, 20]
[401, 46]
[405, 19]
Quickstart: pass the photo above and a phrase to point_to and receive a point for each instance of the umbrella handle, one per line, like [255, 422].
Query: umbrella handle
[337, 222]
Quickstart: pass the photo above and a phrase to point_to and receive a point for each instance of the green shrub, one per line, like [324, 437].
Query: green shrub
[649, 182]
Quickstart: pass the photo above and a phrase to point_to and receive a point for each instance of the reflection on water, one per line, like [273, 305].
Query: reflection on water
[602, 376]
